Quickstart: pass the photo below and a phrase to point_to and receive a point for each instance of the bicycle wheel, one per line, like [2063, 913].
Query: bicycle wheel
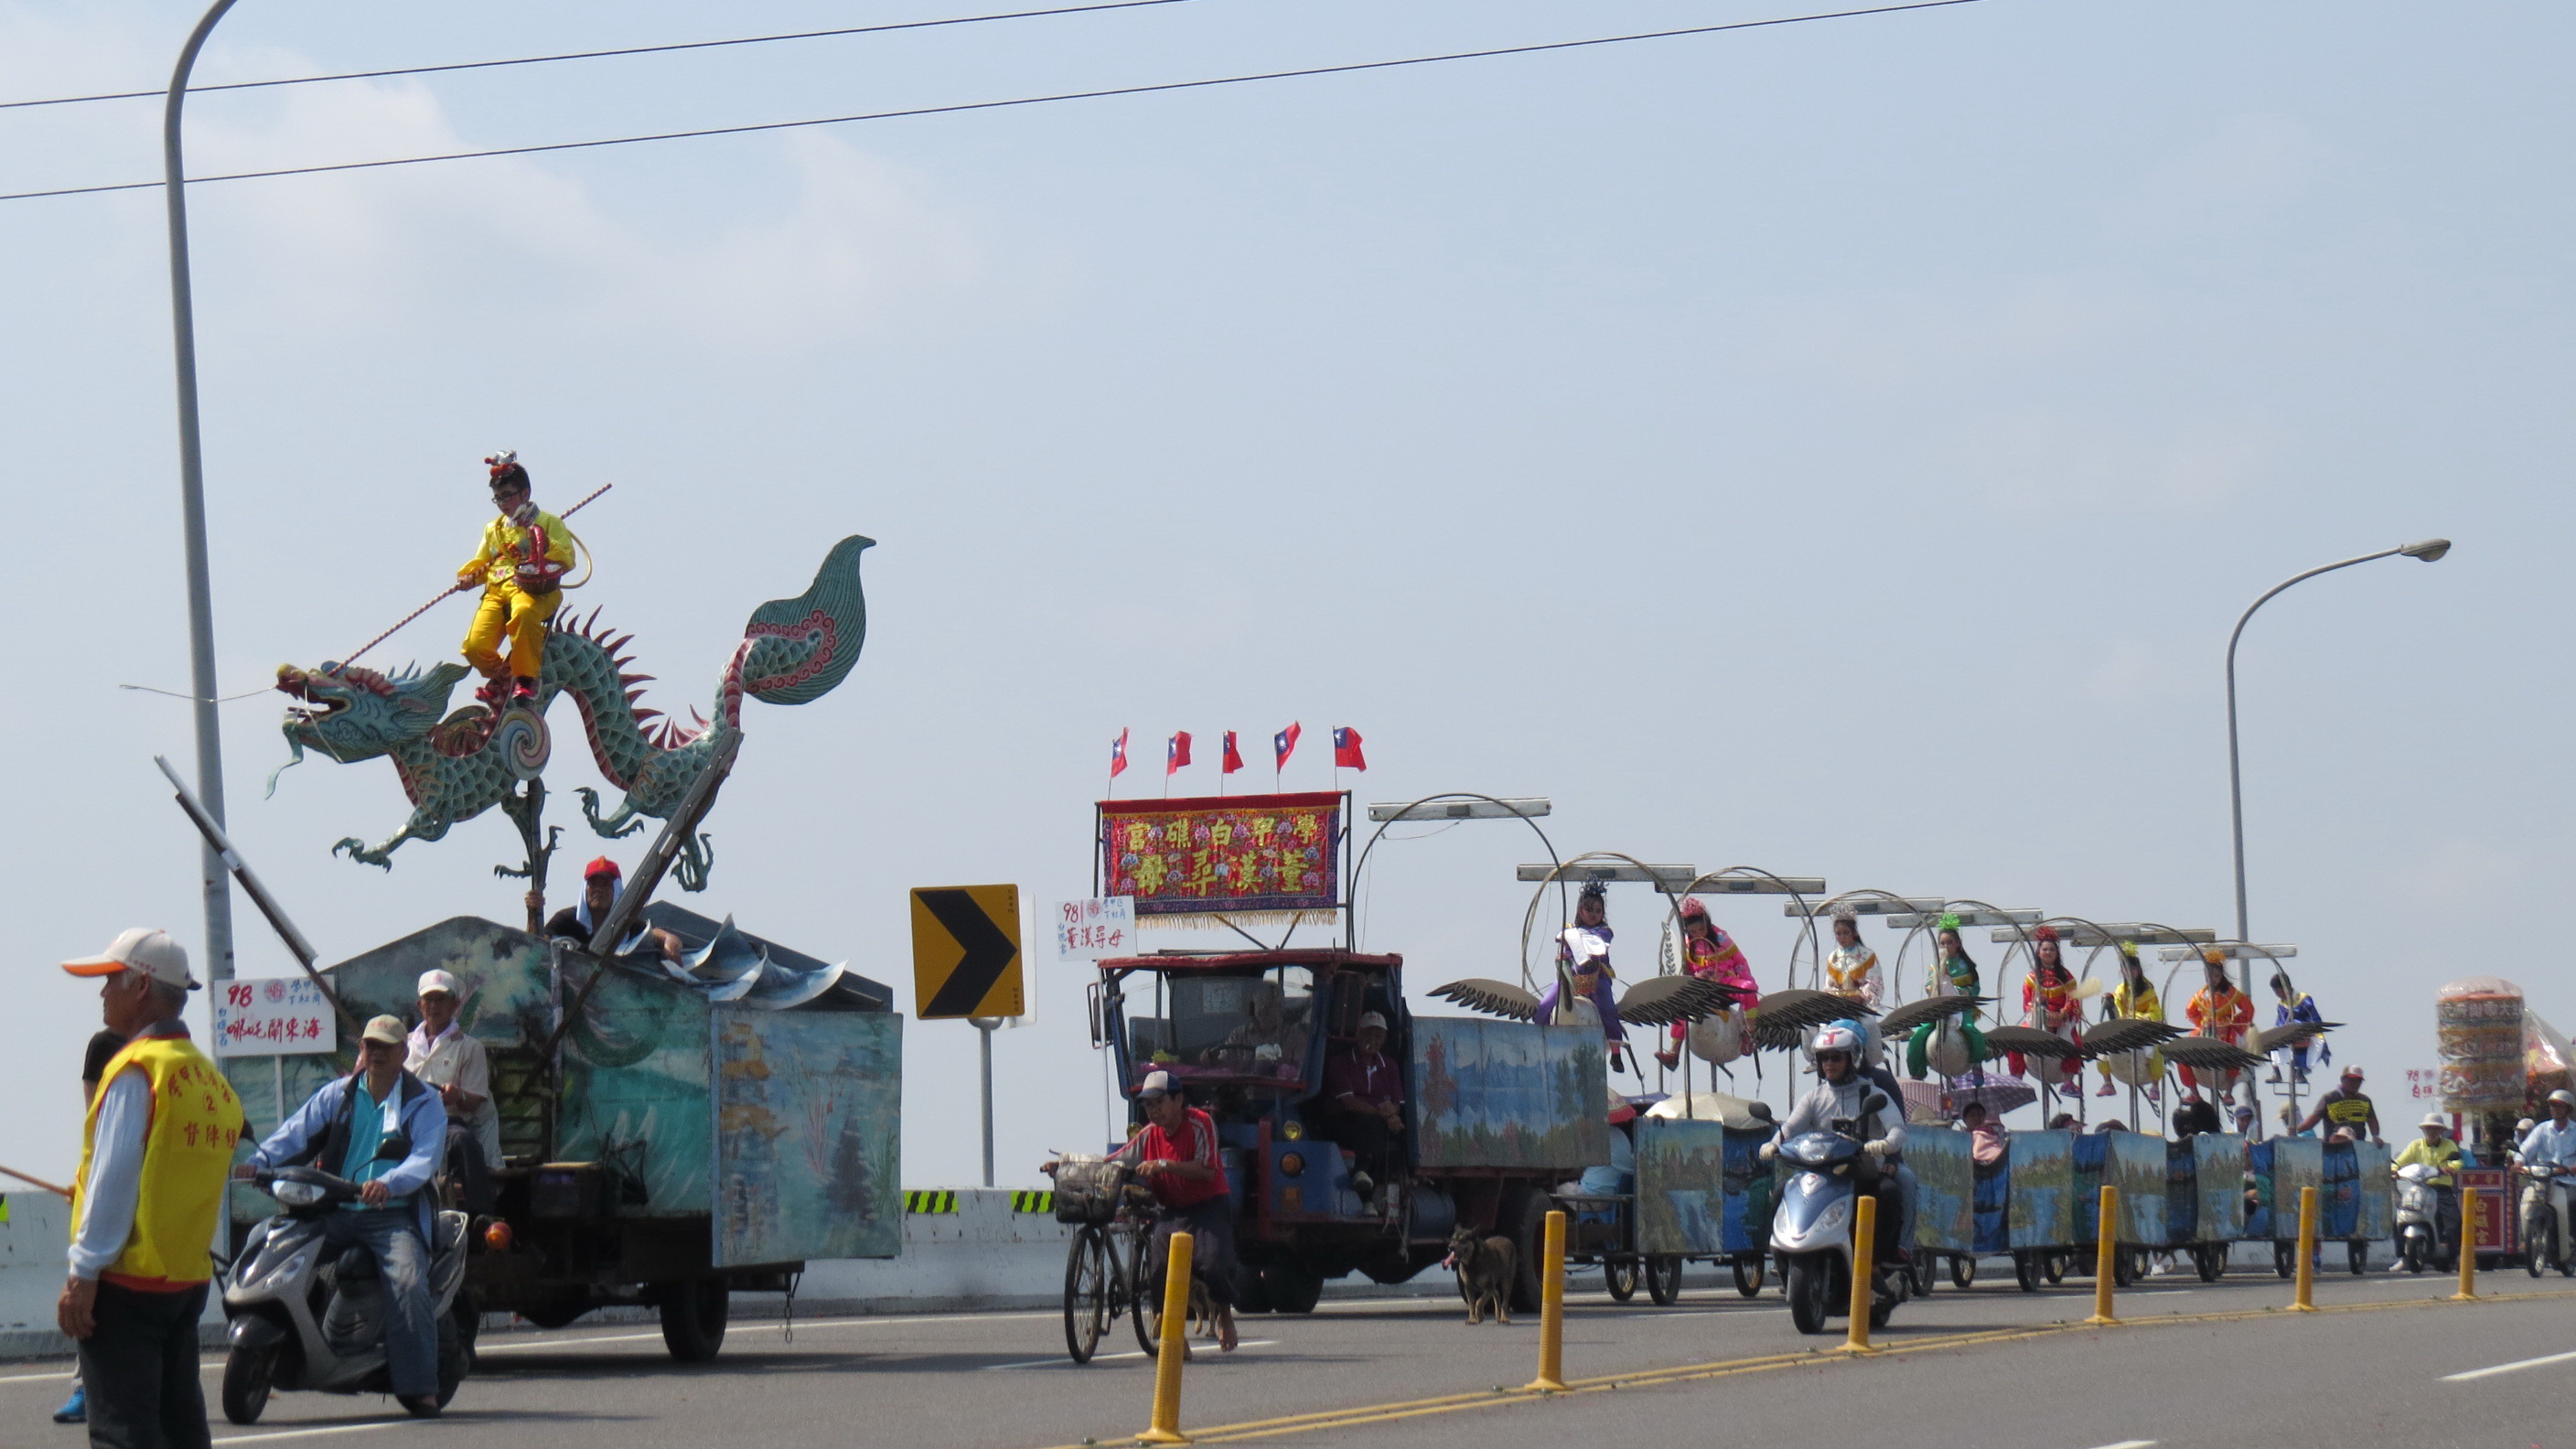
[1088, 1271]
[1145, 1305]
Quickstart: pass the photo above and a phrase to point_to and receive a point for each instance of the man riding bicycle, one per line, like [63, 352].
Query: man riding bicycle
[1176, 1155]
[2549, 1154]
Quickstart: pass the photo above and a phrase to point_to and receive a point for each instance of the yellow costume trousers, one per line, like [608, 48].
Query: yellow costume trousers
[521, 617]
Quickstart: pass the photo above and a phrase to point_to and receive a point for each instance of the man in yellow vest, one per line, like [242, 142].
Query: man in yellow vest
[155, 1152]
[520, 568]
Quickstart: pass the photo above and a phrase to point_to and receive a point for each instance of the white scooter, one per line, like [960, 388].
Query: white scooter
[1811, 1230]
[307, 1316]
[2419, 1223]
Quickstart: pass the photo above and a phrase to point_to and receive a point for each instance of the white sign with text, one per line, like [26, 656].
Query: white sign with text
[1087, 930]
[279, 1016]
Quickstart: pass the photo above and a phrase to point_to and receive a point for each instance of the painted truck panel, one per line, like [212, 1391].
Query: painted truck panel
[2040, 1210]
[807, 1135]
[1508, 1094]
[1945, 1180]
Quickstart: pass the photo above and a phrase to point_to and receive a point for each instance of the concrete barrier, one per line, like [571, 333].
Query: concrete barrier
[963, 1249]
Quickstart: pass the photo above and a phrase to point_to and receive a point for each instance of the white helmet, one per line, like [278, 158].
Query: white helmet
[2564, 1095]
[1835, 1038]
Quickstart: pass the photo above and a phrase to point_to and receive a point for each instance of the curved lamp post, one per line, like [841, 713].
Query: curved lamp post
[2428, 550]
[192, 506]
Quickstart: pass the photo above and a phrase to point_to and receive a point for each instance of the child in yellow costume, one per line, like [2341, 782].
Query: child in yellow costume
[520, 568]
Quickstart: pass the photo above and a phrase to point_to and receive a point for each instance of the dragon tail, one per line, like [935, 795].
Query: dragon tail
[796, 650]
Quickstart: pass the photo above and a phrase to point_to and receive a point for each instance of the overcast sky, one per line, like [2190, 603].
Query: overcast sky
[1839, 448]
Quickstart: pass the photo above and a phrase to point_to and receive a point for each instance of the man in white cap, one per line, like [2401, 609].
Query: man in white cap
[1177, 1156]
[155, 1151]
[442, 1053]
[1364, 1101]
[2549, 1152]
[385, 1130]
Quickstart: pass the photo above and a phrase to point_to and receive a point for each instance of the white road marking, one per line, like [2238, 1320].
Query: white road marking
[32, 1378]
[2506, 1368]
[1199, 1350]
[309, 1433]
[2129, 1444]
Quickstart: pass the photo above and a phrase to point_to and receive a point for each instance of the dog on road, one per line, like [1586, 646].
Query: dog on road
[1484, 1265]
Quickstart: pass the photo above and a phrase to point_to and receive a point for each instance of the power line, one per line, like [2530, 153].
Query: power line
[961, 106]
[306, 80]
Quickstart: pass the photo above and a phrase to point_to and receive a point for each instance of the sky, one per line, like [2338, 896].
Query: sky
[1839, 448]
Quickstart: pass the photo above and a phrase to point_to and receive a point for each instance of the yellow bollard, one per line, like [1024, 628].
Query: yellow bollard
[1167, 1362]
[2106, 1257]
[2468, 1246]
[2302, 1301]
[1551, 1307]
[1864, 1255]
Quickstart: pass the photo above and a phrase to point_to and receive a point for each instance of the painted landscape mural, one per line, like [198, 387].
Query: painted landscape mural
[1509, 1094]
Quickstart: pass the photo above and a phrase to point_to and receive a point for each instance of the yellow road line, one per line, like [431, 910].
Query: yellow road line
[1358, 1415]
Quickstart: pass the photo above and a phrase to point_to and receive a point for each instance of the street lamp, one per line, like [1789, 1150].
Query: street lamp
[2428, 550]
[192, 507]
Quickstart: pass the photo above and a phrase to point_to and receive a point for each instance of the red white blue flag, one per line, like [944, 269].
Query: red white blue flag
[1346, 750]
[1284, 744]
[1118, 755]
[1233, 757]
[1176, 752]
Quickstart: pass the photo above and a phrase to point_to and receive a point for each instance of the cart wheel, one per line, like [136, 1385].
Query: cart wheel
[1087, 1278]
[1664, 1279]
[1621, 1278]
[694, 1311]
[1917, 1267]
[1963, 1270]
[1524, 1221]
[1294, 1287]
[2211, 1260]
[2124, 1267]
[1251, 1294]
[2026, 1271]
[2052, 1266]
[1748, 1275]
[2357, 1257]
[2285, 1259]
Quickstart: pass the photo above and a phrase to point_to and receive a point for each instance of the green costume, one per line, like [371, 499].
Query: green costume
[1954, 977]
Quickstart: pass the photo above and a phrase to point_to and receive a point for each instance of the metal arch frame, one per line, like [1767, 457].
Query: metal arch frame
[2236, 950]
[1351, 927]
[2093, 953]
[1556, 877]
[1815, 952]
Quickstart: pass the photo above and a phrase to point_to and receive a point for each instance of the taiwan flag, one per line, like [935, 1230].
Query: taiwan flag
[1176, 752]
[1284, 744]
[1118, 755]
[1233, 757]
[1346, 750]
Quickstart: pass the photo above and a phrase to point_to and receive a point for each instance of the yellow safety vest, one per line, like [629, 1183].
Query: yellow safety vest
[187, 1157]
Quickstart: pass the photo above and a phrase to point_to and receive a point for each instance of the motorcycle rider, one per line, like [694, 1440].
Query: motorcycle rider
[2550, 1147]
[1839, 1098]
[344, 1129]
[2436, 1150]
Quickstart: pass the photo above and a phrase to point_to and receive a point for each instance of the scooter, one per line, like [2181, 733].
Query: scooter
[2419, 1221]
[1811, 1232]
[305, 1315]
[2545, 1239]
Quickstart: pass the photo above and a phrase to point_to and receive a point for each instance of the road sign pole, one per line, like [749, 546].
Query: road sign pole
[984, 1026]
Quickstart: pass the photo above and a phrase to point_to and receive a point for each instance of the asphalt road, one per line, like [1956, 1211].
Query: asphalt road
[2194, 1365]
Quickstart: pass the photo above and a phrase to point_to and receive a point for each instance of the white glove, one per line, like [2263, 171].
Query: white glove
[1769, 1151]
[1876, 1147]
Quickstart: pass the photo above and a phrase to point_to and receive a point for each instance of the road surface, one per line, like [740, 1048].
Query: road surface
[2194, 1365]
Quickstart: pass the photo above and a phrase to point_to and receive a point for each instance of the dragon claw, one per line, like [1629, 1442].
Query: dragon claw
[358, 851]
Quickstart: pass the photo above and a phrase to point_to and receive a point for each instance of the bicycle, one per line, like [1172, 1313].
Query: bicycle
[1104, 1266]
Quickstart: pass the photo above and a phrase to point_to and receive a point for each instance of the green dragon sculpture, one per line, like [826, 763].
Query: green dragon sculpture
[456, 767]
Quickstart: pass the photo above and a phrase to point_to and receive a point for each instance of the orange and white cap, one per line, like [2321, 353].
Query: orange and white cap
[139, 948]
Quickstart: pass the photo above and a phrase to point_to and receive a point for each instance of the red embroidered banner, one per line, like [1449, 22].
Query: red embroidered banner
[1224, 853]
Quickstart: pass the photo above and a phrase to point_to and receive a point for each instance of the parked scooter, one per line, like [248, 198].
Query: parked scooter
[305, 1315]
[2419, 1224]
[1811, 1232]
[2545, 1237]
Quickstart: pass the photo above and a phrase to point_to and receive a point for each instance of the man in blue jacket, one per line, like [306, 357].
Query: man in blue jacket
[386, 1130]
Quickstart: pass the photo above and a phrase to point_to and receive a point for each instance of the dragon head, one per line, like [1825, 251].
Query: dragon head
[350, 712]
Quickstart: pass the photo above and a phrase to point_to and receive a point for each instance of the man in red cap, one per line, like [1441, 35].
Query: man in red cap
[580, 921]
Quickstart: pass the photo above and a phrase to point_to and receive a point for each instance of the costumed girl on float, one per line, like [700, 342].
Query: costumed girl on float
[1956, 1039]
[2049, 1002]
[2134, 999]
[1851, 972]
[1583, 959]
[1710, 953]
[2296, 1005]
[520, 568]
[2218, 1010]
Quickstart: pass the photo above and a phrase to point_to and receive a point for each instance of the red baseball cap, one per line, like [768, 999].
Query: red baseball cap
[601, 867]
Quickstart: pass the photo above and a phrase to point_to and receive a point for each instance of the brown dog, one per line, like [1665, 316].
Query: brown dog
[1484, 1267]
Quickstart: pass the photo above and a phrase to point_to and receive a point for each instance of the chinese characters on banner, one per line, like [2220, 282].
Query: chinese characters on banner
[1087, 930]
[280, 1016]
[1239, 853]
[2423, 1084]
